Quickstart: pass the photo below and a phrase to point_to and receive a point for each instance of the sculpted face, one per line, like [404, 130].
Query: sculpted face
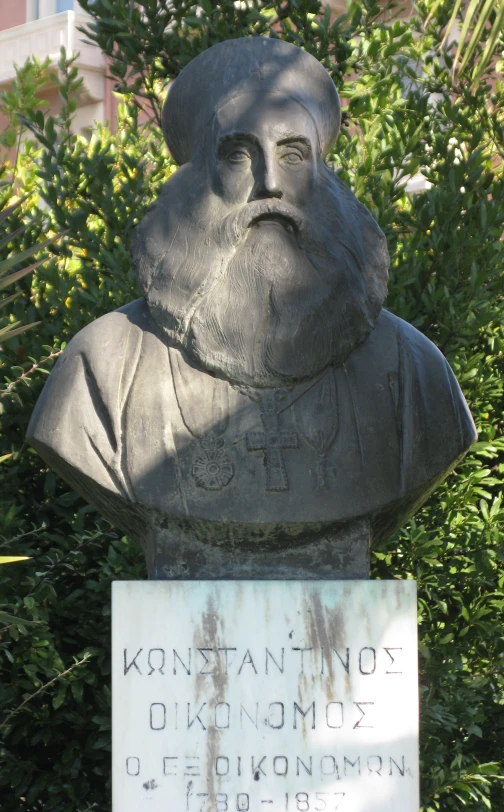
[264, 148]
[256, 259]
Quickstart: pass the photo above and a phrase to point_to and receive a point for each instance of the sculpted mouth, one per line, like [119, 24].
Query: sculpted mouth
[234, 227]
[274, 218]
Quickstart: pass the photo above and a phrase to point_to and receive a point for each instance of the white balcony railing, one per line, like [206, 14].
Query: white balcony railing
[43, 38]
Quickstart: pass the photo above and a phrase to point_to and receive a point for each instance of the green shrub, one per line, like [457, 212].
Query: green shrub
[403, 112]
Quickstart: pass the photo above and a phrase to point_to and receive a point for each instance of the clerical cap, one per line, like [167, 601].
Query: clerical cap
[247, 65]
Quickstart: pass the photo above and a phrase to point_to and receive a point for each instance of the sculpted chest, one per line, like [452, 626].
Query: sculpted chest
[197, 468]
[199, 447]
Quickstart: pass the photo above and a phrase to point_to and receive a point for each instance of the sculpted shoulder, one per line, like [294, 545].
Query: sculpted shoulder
[435, 419]
[391, 334]
[84, 389]
[103, 339]
[388, 325]
[431, 378]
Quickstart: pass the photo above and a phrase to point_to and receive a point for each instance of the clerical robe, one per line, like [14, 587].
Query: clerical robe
[137, 428]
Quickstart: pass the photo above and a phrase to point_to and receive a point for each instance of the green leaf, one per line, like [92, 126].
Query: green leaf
[7, 264]
[480, 23]
[12, 208]
[469, 15]
[9, 619]
[17, 275]
[490, 46]
[7, 333]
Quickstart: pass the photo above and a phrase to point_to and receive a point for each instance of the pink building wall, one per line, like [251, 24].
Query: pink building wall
[12, 12]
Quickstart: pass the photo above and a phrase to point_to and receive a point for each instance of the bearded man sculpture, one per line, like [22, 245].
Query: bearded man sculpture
[256, 413]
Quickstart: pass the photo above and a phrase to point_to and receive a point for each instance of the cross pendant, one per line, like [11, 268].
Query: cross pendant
[272, 441]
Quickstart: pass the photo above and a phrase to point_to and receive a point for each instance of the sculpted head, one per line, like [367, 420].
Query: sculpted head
[257, 259]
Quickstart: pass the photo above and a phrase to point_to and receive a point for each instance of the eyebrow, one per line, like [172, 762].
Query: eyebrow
[244, 136]
[237, 136]
[295, 139]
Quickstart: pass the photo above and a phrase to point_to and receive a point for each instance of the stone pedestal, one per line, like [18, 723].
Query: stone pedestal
[265, 696]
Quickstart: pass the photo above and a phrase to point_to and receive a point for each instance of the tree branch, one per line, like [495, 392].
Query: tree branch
[43, 688]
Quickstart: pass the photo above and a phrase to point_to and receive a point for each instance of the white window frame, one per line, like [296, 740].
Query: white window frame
[37, 9]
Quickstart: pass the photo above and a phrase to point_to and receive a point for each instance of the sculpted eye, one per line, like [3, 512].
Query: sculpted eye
[292, 157]
[238, 156]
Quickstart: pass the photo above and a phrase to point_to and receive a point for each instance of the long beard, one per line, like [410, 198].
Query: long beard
[270, 303]
[264, 321]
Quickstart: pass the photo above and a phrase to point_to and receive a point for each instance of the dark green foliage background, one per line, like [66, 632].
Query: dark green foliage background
[446, 278]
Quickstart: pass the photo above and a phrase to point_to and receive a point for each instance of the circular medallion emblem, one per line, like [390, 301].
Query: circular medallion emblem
[212, 468]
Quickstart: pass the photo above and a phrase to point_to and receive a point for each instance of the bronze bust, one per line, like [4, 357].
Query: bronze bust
[256, 413]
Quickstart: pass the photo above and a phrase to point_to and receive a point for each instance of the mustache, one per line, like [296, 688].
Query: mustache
[234, 226]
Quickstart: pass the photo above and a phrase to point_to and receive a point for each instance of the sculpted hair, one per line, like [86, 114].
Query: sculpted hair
[359, 234]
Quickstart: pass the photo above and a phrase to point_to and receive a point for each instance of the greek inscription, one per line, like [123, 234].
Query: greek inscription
[280, 765]
[229, 661]
[374, 765]
[306, 767]
[192, 766]
[133, 663]
[187, 668]
[247, 660]
[393, 763]
[202, 671]
[351, 764]
[190, 721]
[226, 650]
[302, 651]
[257, 770]
[328, 766]
[392, 660]
[275, 715]
[222, 714]
[254, 720]
[161, 658]
[222, 765]
[276, 712]
[217, 707]
[346, 662]
[269, 656]
[334, 714]
[363, 712]
[304, 714]
[133, 765]
[157, 716]
[170, 768]
[367, 662]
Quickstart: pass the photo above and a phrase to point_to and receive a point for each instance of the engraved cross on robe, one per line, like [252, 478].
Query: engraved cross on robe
[273, 442]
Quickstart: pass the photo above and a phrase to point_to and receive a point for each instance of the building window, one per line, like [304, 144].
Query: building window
[32, 10]
[36, 9]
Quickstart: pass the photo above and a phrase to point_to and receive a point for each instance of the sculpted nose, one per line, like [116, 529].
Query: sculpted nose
[267, 182]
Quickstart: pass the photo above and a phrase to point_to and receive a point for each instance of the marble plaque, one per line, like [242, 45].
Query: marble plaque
[265, 696]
